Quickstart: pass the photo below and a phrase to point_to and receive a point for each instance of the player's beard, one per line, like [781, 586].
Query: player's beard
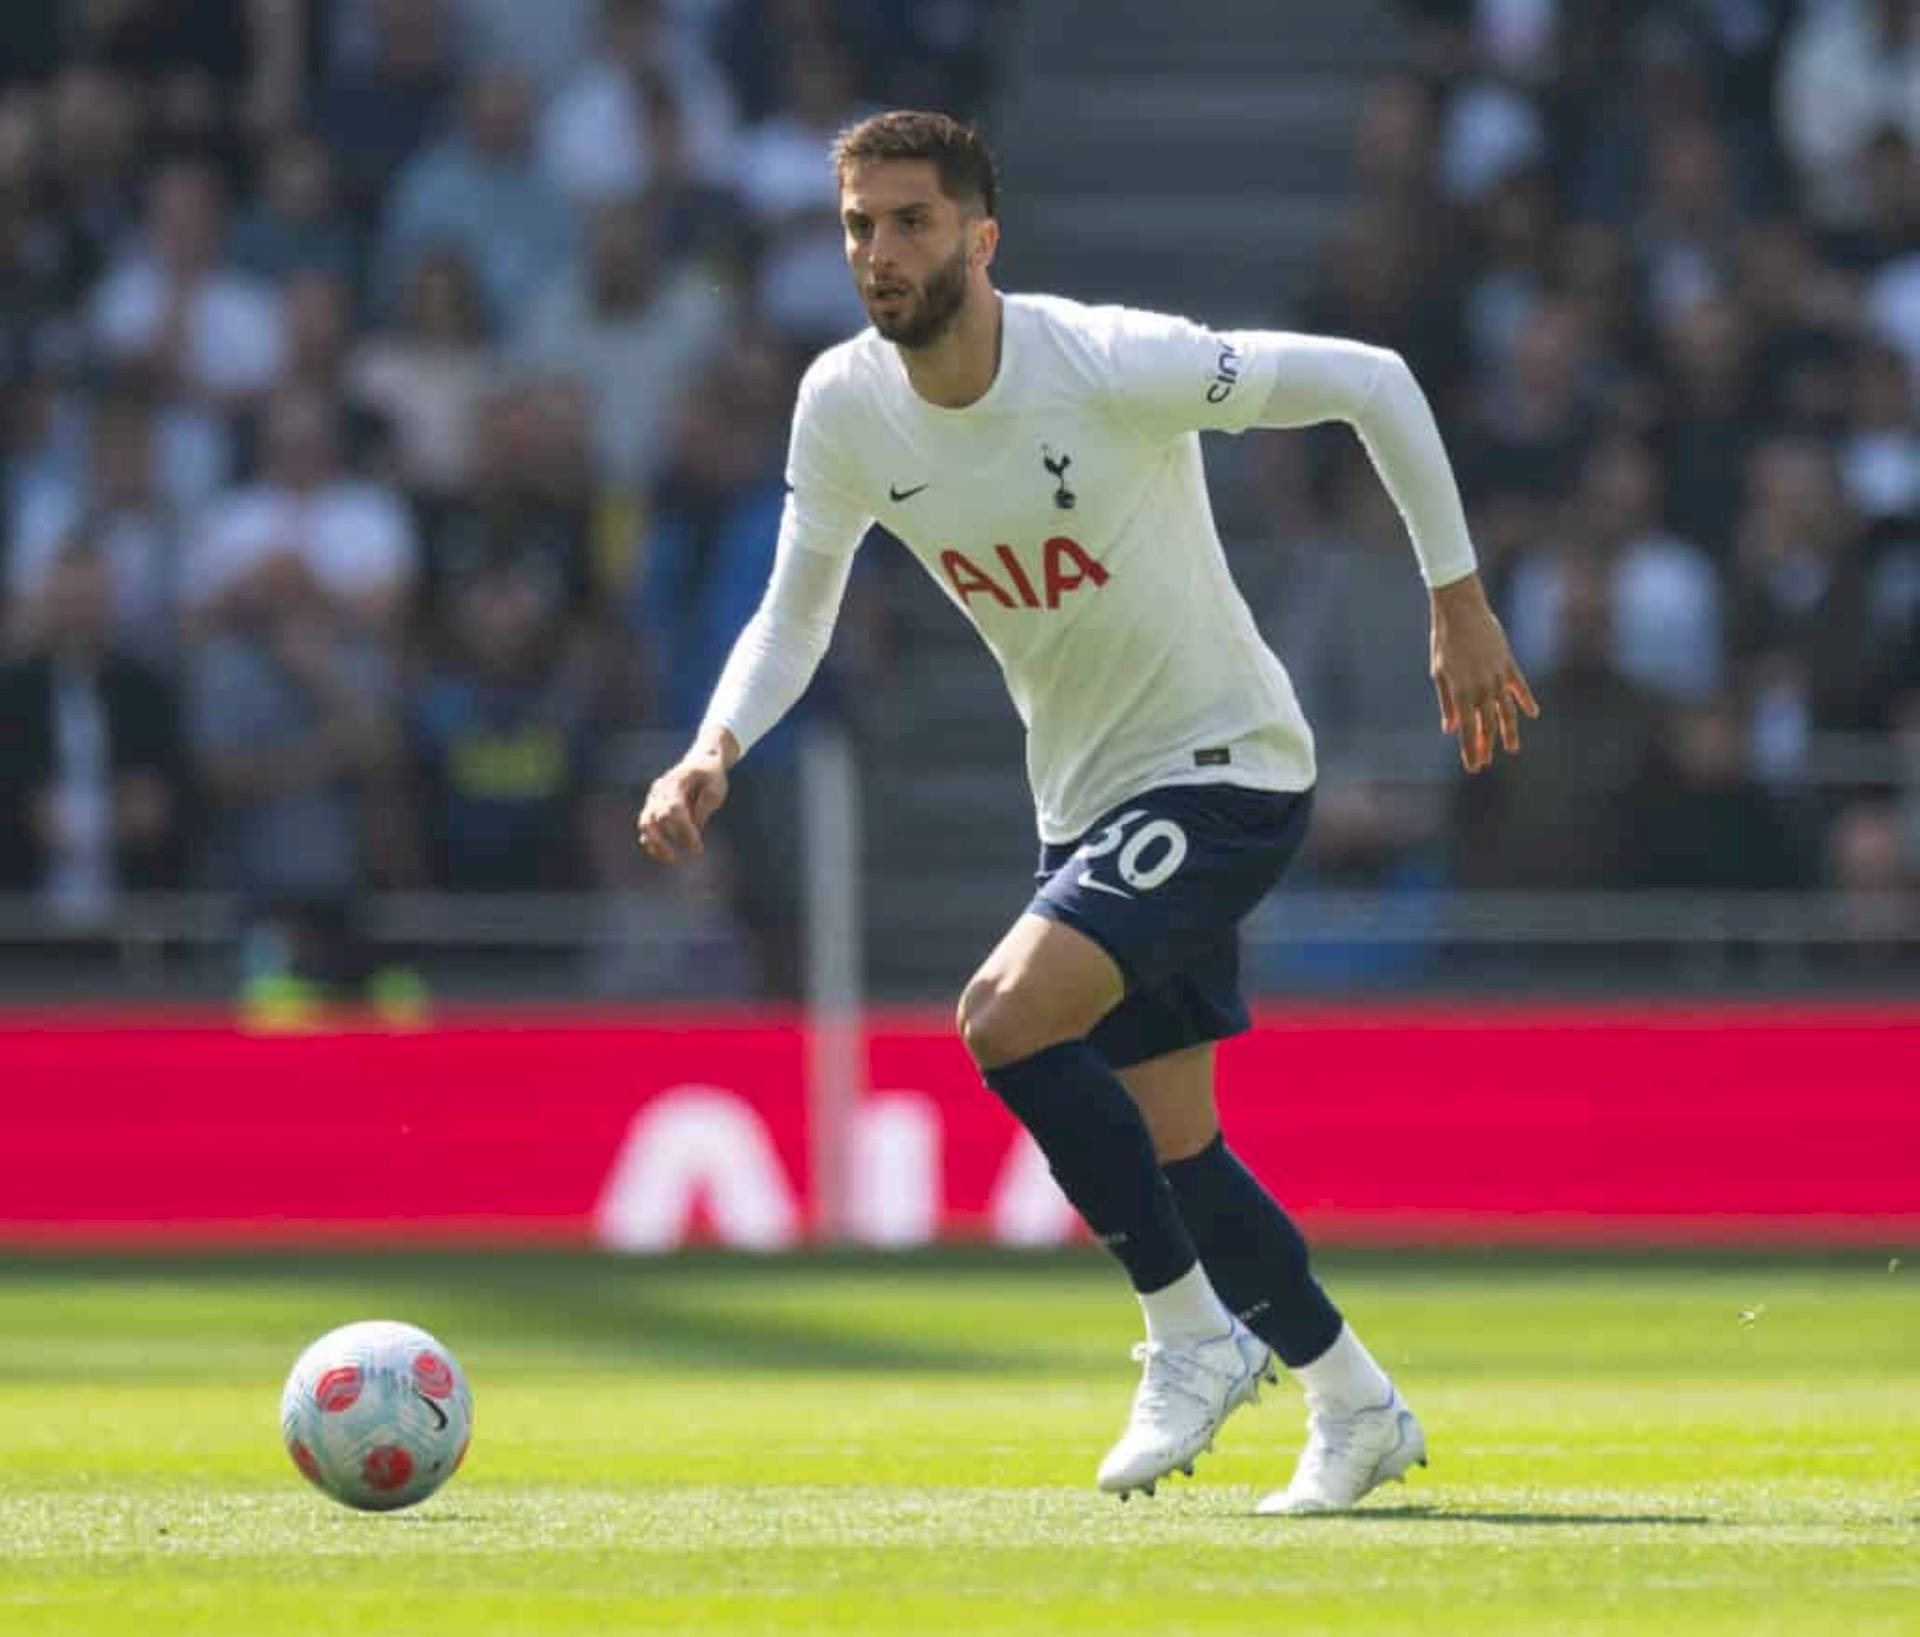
[941, 298]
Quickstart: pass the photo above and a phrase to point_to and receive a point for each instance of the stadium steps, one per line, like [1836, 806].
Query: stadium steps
[1184, 158]
[1191, 159]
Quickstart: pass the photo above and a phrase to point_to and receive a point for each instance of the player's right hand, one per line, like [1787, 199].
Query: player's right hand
[678, 806]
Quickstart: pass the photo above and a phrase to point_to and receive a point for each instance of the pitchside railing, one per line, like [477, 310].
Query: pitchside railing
[153, 940]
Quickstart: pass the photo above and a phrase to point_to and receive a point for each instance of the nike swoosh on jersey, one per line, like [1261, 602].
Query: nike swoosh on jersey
[1087, 879]
[898, 495]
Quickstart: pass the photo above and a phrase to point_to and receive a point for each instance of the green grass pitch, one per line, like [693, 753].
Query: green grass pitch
[1632, 1445]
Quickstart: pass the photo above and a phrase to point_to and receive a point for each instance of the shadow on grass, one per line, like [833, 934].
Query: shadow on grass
[1505, 1520]
[601, 1310]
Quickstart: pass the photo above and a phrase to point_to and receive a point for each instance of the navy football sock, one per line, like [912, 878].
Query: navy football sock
[1253, 1253]
[1099, 1151]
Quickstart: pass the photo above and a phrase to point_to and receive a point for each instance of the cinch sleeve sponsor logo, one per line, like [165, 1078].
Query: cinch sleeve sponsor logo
[1226, 373]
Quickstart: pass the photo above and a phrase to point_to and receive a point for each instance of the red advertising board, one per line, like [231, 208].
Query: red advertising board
[645, 1132]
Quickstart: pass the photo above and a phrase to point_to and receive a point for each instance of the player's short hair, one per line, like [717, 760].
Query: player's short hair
[957, 152]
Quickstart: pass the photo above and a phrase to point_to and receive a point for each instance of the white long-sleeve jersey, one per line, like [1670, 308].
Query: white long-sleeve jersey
[1065, 513]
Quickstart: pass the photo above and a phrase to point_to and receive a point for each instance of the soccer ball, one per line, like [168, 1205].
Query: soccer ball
[377, 1415]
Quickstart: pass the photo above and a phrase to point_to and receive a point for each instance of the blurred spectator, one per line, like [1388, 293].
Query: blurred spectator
[289, 722]
[1816, 652]
[426, 376]
[176, 306]
[91, 752]
[58, 213]
[1379, 282]
[94, 120]
[1593, 272]
[373, 117]
[1876, 880]
[46, 453]
[635, 331]
[1710, 421]
[28, 302]
[1491, 130]
[1880, 455]
[331, 548]
[1566, 813]
[1851, 68]
[295, 225]
[1516, 238]
[802, 288]
[1689, 226]
[317, 308]
[1803, 316]
[1890, 209]
[697, 218]
[707, 555]
[933, 53]
[159, 39]
[1708, 824]
[1396, 154]
[478, 190]
[218, 72]
[119, 512]
[1663, 595]
[529, 506]
[596, 134]
[499, 732]
[757, 40]
[1640, 80]
[908, 53]
[1534, 418]
[1892, 303]
[36, 38]
[543, 41]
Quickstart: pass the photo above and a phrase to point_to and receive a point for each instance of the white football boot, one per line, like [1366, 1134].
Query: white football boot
[1185, 1393]
[1350, 1454]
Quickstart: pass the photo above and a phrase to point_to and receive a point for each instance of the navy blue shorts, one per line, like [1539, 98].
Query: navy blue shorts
[1161, 883]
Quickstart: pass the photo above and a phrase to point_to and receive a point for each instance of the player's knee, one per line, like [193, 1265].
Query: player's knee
[999, 1024]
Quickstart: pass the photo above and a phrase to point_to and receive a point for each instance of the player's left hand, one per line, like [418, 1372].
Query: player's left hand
[1481, 689]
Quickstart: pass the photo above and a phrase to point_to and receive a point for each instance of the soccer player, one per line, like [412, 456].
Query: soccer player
[1042, 460]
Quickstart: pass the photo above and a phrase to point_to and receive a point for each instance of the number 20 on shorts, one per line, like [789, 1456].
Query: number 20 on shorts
[1148, 856]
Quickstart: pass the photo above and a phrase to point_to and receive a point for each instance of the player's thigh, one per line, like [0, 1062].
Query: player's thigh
[1044, 983]
[1175, 1095]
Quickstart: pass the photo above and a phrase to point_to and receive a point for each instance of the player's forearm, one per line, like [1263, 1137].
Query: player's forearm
[775, 655]
[1403, 441]
[1321, 378]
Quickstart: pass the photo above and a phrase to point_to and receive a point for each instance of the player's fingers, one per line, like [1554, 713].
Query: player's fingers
[679, 831]
[1509, 725]
[1516, 687]
[1449, 718]
[1480, 721]
[705, 801]
[664, 830]
[651, 842]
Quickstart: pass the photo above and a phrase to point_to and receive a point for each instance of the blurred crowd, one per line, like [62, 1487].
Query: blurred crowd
[394, 394]
[394, 403]
[1658, 266]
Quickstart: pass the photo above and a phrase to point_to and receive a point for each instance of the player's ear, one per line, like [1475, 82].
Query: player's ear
[985, 236]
